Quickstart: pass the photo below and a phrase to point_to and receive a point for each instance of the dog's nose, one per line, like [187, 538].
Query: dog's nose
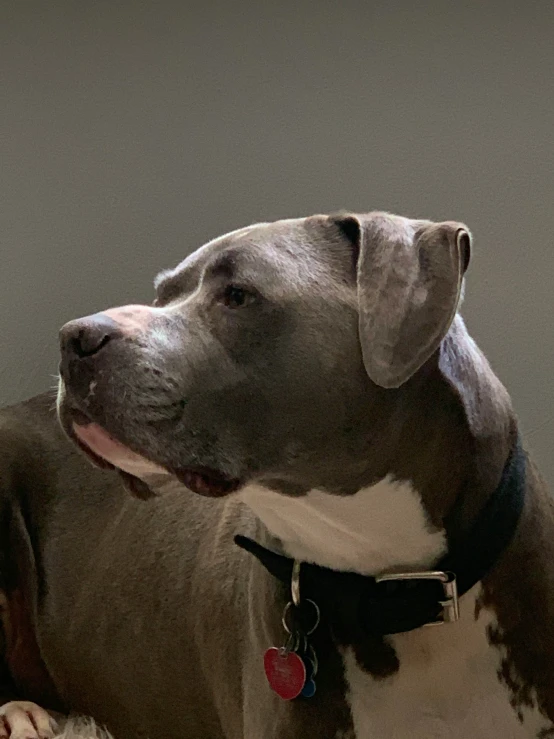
[86, 337]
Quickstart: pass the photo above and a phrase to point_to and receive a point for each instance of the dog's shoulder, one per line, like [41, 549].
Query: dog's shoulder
[29, 438]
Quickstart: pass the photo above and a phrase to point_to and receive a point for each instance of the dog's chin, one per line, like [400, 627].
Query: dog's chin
[140, 476]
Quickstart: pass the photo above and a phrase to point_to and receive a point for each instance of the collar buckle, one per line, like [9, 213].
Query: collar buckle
[450, 605]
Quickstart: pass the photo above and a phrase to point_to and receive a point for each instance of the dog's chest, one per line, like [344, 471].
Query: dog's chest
[447, 687]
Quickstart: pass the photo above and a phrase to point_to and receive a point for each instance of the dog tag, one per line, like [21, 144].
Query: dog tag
[285, 672]
[310, 662]
[308, 691]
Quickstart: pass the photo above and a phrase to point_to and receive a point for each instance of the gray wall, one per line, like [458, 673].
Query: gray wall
[133, 131]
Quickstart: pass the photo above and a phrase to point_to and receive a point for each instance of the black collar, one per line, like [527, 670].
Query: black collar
[357, 606]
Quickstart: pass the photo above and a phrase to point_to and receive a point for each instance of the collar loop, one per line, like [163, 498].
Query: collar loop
[358, 606]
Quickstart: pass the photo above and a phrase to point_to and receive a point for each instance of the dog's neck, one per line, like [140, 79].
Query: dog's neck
[446, 440]
[380, 528]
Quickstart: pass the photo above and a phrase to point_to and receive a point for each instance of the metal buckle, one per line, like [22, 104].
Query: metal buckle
[450, 604]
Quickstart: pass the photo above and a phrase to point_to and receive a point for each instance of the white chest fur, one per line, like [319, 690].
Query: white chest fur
[378, 529]
[447, 686]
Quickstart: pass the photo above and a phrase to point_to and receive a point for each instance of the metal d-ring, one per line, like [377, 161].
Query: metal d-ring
[291, 645]
[295, 583]
[296, 601]
[317, 614]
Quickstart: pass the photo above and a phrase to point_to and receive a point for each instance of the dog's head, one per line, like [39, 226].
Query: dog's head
[269, 354]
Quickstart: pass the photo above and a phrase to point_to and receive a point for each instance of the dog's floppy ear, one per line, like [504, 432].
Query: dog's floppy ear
[409, 281]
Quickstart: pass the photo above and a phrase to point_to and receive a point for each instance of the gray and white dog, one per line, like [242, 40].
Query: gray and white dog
[308, 384]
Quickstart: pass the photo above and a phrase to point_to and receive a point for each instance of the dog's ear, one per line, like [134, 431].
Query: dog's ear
[409, 281]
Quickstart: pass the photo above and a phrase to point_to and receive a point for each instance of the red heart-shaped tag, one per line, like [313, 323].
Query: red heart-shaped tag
[285, 672]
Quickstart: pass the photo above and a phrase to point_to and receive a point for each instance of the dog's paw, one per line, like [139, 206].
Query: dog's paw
[25, 720]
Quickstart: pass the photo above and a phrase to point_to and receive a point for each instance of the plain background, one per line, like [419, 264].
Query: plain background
[131, 132]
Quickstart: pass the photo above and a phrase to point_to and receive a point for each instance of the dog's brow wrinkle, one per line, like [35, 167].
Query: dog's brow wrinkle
[161, 278]
[171, 283]
[224, 266]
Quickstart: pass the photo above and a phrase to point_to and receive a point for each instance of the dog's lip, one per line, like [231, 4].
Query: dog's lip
[207, 482]
[107, 452]
[77, 430]
[79, 418]
[102, 444]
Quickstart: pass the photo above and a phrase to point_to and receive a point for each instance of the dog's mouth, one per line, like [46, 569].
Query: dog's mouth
[207, 482]
[137, 471]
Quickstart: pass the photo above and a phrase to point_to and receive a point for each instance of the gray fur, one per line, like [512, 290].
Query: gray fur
[347, 366]
[277, 392]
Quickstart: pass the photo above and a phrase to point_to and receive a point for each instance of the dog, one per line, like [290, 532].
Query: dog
[309, 511]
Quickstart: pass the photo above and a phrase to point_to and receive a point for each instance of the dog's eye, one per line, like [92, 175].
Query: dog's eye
[237, 297]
